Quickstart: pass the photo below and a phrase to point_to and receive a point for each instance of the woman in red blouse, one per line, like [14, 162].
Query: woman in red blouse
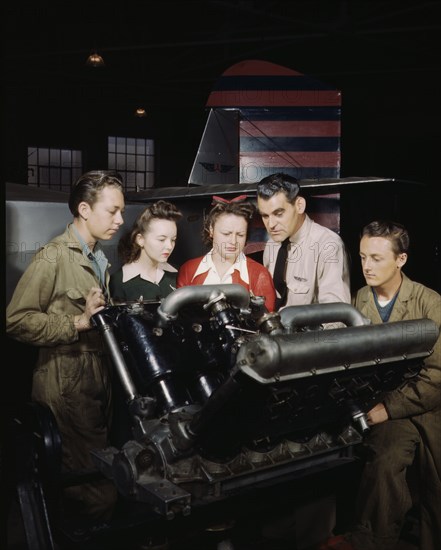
[226, 230]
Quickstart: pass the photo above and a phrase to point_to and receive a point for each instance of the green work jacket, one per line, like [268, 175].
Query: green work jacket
[421, 394]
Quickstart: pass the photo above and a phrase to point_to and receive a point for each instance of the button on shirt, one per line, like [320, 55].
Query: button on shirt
[317, 268]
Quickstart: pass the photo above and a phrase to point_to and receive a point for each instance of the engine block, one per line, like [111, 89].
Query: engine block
[223, 395]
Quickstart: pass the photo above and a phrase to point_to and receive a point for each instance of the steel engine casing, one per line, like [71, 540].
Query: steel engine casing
[223, 395]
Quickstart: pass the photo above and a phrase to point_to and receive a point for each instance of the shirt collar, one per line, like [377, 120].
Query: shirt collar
[84, 246]
[130, 271]
[97, 258]
[97, 254]
[298, 236]
[206, 264]
[303, 231]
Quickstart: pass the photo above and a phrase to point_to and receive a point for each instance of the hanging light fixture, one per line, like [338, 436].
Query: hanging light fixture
[95, 60]
[140, 112]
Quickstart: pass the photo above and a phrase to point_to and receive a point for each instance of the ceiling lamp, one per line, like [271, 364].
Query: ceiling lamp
[140, 112]
[95, 60]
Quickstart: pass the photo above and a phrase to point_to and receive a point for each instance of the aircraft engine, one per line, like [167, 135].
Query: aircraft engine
[223, 395]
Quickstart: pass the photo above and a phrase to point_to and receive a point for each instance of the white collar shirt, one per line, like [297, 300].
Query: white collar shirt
[213, 277]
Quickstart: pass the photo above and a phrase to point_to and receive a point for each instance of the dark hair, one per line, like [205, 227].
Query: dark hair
[128, 249]
[243, 209]
[276, 183]
[88, 187]
[395, 232]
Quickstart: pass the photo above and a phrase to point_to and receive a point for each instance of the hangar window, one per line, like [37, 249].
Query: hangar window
[53, 168]
[134, 159]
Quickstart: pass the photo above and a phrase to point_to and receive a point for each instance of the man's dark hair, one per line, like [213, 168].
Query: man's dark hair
[276, 183]
[395, 232]
[88, 187]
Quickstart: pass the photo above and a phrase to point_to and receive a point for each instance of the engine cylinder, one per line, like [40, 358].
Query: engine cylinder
[153, 362]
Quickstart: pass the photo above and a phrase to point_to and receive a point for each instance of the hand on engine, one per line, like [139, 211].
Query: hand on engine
[95, 302]
[377, 414]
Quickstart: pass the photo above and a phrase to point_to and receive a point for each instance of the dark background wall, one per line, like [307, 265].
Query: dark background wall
[166, 56]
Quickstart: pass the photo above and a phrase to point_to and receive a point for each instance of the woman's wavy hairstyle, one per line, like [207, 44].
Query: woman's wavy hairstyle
[128, 249]
[245, 210]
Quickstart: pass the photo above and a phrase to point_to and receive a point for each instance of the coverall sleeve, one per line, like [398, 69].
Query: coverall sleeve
[27, 316]
[422, 393]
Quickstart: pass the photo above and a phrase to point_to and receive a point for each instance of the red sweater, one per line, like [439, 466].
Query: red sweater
[261, 282]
